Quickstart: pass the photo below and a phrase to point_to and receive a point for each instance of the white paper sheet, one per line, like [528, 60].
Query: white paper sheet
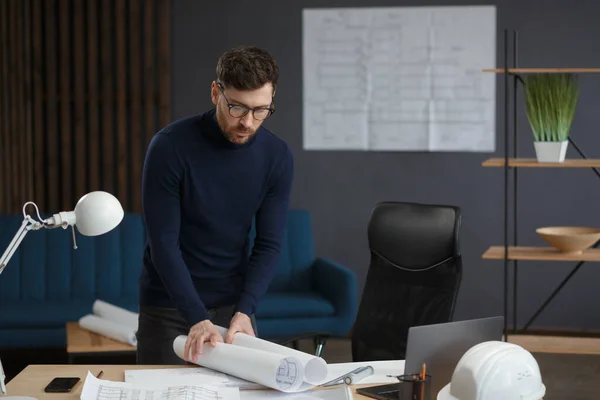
[201, 375]
[188, 376]
[109, 329]
[315, 368]
[277, 371]
[99, 389]
[399, 78]
[115, 314]
[338, 393]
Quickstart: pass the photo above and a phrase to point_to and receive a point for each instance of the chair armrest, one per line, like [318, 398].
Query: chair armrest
[337, 284]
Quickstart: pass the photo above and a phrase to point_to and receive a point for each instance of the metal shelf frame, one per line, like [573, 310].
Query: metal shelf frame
[514, 79]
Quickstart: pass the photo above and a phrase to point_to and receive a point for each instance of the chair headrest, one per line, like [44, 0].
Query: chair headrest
[414, 235]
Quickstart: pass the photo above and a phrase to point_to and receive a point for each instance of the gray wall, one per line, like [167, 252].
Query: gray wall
[341, 188]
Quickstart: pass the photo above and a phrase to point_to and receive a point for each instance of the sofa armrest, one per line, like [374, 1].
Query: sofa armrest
[337, 284]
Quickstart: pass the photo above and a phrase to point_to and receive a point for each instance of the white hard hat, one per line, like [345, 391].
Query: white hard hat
[495, 371]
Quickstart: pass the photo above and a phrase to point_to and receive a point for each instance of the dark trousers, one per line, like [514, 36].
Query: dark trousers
[158, 328]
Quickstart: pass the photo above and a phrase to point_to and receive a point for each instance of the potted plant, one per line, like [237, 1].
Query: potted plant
[551, 100]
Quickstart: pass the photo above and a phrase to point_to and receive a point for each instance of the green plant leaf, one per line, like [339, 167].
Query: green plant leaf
[551, 100]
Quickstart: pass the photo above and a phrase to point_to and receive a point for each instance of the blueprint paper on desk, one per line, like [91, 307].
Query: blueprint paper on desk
[314, 368]
[99, 389]
[201, 375]
[259, 361]
[187, 376]
[341, 393]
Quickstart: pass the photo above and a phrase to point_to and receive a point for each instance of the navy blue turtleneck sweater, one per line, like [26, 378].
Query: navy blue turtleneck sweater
[200, 193]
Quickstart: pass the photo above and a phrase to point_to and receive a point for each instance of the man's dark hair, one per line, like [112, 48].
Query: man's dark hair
[247, 68]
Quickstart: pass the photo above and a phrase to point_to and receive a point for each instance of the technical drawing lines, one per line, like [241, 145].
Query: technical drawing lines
[184, 392]
[189, 393]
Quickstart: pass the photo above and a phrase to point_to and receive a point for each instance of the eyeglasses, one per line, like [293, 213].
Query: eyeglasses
[239, 111]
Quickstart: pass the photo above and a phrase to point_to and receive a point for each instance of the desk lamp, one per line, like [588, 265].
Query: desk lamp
[95, 213]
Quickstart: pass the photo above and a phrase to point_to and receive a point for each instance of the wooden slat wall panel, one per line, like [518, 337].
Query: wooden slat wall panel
[135, 58]
[52, 154]
[107, 74]
[80, 183]
[122, 187]
[150, 93]
[28, 101]
[4, 104]
[93, 98]
[86, 84]
[19, 133]
[38, 136]
[14, 106]
[66, 200]
[164, 60]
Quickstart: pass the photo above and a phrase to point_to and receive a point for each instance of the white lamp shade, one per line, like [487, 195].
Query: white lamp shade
[97, 213]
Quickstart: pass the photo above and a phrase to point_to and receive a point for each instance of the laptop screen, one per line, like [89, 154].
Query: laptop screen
[441, 346]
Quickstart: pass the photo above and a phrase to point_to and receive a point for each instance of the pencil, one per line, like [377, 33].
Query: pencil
[423, 375]
[99, 374]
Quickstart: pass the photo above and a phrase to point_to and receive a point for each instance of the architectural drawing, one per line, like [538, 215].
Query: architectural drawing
[401, 78]
[97, 389]
[186, 392]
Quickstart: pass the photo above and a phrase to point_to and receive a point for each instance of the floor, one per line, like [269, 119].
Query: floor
[573, 377]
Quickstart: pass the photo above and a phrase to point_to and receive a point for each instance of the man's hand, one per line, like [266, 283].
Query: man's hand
[203, 331]
[239, 323]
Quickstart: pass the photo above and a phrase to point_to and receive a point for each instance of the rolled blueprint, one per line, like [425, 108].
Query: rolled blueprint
[109, 329]
[118, 315]
[315, 368]
[273, 370]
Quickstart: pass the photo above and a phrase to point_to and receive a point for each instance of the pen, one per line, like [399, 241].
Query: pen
[99, 374]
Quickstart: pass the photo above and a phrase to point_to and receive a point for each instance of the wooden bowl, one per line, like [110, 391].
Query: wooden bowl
[570, 239]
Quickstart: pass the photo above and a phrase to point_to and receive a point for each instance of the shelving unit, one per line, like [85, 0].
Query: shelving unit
[515, 253]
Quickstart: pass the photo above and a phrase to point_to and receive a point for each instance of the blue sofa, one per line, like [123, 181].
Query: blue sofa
[47, 283]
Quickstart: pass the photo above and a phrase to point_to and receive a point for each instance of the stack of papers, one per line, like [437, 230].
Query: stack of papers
[111, 321]
[95, 389]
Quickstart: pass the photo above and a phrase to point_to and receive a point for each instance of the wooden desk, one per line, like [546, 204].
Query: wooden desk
[82, 342]
[33, 379]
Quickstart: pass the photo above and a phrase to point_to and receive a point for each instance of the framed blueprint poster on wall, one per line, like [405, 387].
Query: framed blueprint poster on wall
[399, 78]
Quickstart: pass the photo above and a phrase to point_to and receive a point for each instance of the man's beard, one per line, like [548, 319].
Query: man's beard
[232, 133]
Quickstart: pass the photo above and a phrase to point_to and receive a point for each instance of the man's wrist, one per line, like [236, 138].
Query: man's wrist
[244, 306]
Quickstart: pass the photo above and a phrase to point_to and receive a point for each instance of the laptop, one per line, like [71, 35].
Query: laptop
[440, 347]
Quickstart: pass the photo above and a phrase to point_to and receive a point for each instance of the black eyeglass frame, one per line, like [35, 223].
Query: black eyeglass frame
[247, 109]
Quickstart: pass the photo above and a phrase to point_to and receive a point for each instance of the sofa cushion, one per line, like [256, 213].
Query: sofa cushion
[294, 305]
[50, 314]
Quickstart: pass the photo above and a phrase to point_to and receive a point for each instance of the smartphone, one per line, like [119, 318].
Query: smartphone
[61, 385]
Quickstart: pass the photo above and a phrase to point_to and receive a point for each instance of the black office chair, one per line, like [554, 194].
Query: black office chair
[413, 278]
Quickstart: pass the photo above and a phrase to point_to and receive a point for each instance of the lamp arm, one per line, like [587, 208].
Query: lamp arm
[27, 225]
[2, 379]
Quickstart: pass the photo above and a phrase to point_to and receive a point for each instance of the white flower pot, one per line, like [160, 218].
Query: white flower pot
[551, 152]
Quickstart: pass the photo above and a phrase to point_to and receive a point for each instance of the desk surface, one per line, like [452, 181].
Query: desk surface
[83, 341]
[34, 378]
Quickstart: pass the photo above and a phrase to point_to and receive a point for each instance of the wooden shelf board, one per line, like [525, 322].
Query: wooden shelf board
[539, 254]
[533, 163]
[557, 344]
[543, 70]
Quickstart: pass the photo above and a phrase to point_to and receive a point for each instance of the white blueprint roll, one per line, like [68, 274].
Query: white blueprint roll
[109, 329]
[269, 369]
[115, 314]
[315, 368]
